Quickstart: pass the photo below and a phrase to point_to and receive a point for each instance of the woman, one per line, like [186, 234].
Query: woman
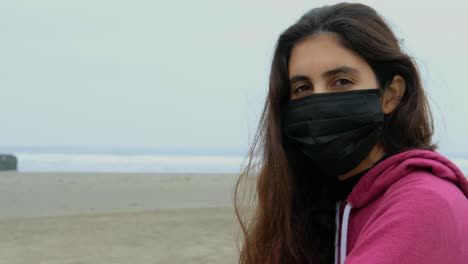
[344, 164]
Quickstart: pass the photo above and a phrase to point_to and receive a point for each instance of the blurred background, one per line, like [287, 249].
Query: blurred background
[130, 119]
[86, 83]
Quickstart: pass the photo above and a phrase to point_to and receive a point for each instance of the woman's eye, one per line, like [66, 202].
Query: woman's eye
[342, 82]
[301, 88]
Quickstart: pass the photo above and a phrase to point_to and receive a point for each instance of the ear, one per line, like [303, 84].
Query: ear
[393, 94]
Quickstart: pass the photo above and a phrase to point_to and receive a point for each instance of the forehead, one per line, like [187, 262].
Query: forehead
[319, 53]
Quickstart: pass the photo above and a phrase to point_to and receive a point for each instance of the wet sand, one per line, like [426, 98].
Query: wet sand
[116, 218]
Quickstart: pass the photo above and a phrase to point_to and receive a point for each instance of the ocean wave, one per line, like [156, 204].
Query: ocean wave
[124, 163]
[65, 162]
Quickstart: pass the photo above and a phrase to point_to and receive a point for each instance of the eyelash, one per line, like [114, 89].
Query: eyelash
[349, 82]
[296, 91]
[341, 79]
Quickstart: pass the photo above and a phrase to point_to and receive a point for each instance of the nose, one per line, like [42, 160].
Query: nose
[320, 88]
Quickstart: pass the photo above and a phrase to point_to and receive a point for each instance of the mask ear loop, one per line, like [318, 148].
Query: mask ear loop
[381, 93]
[384, 87]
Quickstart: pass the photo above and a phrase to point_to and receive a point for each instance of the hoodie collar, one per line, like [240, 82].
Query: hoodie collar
[345, 187]
[378, 179]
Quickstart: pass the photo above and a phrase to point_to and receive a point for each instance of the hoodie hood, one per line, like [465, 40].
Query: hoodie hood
[378, 179]
[381, 177]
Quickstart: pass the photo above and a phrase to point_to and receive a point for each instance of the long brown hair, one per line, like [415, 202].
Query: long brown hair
[288, 215]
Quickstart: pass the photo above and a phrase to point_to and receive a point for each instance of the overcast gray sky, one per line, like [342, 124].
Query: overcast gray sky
[186, 74]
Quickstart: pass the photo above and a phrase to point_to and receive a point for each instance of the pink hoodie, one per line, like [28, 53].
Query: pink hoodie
[410, 208]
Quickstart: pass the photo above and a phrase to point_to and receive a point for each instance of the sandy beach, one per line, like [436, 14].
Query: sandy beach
[116, 218]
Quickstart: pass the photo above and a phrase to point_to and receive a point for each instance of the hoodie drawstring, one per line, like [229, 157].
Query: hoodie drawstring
[344, 232]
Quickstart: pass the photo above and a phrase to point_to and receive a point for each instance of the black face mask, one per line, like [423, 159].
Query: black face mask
[335, 130]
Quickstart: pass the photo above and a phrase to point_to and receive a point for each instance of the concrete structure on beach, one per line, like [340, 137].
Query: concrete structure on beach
[8, 162]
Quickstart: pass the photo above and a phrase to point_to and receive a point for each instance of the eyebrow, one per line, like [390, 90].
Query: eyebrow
[333, 72]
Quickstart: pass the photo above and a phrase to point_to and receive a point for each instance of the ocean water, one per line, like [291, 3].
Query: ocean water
[141, 160]
[133, 163]
[125, 160]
